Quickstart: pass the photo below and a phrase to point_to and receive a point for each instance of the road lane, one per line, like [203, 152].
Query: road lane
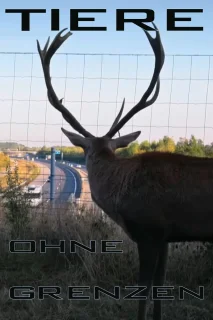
[41, 179]
[67, 181]
[71, 183]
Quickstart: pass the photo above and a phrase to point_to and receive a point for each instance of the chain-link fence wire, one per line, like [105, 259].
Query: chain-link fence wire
[93, 87]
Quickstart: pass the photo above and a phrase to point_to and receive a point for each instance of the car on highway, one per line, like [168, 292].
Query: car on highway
[33, 194]
[78, 166]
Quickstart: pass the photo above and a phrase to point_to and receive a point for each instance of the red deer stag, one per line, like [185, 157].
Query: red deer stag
[155, 197]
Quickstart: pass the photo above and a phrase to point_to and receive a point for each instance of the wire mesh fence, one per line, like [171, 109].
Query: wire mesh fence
[93, 87]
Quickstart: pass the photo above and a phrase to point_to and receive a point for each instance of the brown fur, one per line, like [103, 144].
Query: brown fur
[173, 191]
[156, 197]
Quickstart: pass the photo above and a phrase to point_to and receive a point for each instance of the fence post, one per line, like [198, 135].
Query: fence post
[52, 174]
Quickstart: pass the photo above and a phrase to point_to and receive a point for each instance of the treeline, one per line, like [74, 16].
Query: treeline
[74, 154]
[10, 145]
[16, 146]
[192, 146]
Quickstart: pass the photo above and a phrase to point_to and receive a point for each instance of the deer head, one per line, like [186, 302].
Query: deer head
[86, 140]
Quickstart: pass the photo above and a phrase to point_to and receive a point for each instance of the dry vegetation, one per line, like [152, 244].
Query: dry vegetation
[27, 171]
[88, 269]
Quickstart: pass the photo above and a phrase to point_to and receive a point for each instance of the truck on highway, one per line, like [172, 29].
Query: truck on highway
[34, 194]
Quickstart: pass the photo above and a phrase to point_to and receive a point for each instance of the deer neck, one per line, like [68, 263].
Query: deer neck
[101, 167]
[105, 190]
[98, 163]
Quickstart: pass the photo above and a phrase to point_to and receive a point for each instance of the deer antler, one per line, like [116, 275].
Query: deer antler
[46, 55]
[143, 103]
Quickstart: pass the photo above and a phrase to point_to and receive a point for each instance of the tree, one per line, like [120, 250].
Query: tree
[192, 147]
[145, 146]
[166, 145]
[133, 148]
[208, 150]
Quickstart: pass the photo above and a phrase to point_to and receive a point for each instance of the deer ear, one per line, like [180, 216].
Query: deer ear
[123, 141]
[76, 139]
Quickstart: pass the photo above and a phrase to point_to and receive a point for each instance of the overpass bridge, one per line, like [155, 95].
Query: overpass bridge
[18, 153]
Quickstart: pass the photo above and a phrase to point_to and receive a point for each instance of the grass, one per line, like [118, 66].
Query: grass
[27, 171]
[186, 269]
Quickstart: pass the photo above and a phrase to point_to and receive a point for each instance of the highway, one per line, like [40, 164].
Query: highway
[67, 181]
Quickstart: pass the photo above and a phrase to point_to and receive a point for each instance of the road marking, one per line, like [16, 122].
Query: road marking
[75, 182]
[44, 183]
[75, 188]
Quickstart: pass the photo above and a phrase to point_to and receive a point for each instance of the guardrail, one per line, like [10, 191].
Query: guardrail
[80, 201]
[72, 198]
[21, 184]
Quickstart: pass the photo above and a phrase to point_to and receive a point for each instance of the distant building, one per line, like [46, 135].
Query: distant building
[18, 153]
[14, 153]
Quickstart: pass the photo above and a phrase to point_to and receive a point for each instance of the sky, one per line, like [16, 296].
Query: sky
[95, 70]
